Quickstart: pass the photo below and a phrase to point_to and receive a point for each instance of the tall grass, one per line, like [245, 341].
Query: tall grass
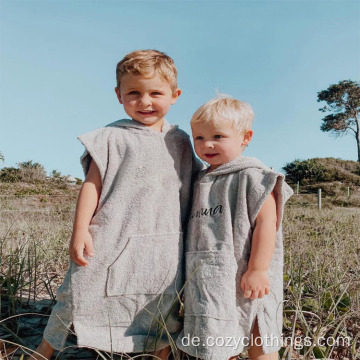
[33, 260]
[321, 274]
[322, 282]
[33, 245]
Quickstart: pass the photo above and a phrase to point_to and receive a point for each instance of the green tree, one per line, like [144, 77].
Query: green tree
[304, 170]
[343, 101]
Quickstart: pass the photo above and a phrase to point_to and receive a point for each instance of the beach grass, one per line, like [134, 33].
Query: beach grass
[321, 273]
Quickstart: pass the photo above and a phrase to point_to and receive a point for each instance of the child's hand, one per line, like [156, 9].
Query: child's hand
[255, 284]
[81, 243]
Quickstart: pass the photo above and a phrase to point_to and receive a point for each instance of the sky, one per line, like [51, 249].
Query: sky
[58, 60]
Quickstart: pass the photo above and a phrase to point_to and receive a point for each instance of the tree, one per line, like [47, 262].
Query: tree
[304, 170]
[2, 157]
[343, 100]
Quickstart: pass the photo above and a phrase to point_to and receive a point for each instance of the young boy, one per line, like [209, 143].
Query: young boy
[121, 290]
[234, 250]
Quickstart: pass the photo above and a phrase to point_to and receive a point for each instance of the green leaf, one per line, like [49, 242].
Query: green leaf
[318, 352]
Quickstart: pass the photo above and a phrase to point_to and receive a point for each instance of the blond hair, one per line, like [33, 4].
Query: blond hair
[146, 62]
[225, 108]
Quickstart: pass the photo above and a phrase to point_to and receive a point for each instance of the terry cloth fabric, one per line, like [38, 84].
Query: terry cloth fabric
[225, 206]
[125, 300]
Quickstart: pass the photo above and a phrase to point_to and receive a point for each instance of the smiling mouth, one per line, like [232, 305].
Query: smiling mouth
[150, 112]
[209, 156]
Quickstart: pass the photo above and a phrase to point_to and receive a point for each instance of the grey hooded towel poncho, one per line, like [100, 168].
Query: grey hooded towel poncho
[128, 292]
[225, 206]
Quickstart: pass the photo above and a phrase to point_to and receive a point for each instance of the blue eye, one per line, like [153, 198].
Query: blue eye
[199, 138]
[156, 93]
[218, 136]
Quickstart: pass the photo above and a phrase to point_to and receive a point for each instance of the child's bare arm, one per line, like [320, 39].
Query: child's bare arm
[255, 281]
[81, 240]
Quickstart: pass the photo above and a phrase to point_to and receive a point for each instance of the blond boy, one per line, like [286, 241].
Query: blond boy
[126, 248]
[233, 290]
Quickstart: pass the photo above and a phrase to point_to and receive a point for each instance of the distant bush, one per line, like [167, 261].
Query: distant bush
[57, 177]
[10, 175]
[31, 171]
[307, 170]
[78, 181]
[56, 174]
[323, 170]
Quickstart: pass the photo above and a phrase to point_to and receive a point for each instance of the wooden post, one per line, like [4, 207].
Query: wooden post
[297, 187]
[319, 199]
[348, 191]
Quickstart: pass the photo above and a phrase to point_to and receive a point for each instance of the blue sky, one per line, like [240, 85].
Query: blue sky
[58, 62]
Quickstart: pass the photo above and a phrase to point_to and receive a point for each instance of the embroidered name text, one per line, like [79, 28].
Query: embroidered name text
[207, 212]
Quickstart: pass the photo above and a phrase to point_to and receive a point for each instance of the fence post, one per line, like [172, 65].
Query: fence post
[319, 199]
[348, 191]
[297, 187]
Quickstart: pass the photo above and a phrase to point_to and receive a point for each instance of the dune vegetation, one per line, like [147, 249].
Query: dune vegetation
[321, 273]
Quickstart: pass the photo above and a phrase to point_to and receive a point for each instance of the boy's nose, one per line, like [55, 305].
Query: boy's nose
[209, 144]
[145, 100]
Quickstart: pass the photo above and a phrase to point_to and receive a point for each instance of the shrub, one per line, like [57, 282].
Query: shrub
[31, 172]
[307, 170]
[10, 175]
[57, 177]
[78, 181]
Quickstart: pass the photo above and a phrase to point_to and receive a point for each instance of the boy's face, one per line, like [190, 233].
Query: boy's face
[146, 99]
[218, 144]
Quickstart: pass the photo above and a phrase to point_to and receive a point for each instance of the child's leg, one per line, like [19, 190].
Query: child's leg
[163, 354]
[58, 325]
[256, 352]
[43, 351]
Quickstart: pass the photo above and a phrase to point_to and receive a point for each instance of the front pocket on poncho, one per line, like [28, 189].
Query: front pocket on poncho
[210, 288]
[149, 264]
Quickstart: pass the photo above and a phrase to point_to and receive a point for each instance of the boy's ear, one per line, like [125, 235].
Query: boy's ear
[175, 96]
[247, 137]
[117, 91]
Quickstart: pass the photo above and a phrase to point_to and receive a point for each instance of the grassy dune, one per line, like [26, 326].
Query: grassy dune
[321, 281]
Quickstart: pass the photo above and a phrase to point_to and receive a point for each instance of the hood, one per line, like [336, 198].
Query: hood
[129, 123]
[237, 164]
